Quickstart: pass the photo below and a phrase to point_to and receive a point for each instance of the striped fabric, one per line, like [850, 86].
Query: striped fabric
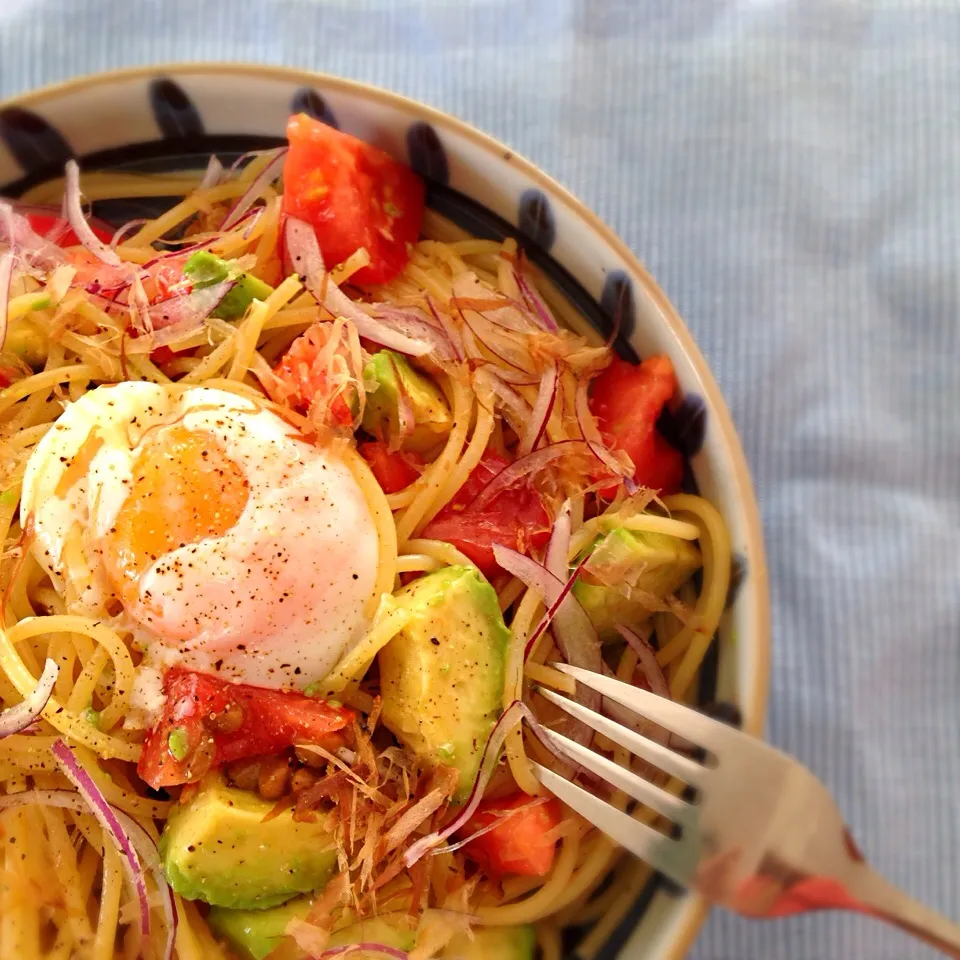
[790, 171]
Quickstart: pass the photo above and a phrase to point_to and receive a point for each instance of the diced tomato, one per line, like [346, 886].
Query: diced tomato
[354, 195]
[302, 368]
[44, 223]
[393, 471]
[521, 845]
[239, 720]
[626, 400]
[515, 518]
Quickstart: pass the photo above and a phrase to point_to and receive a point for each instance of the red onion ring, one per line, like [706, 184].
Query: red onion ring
[572, 628]
[74, 212]
[107, 818]
[263, 179]
[542, 409]
[536, 304]
[121, 232]
[212, 175]
[18, 718]
[647, 659]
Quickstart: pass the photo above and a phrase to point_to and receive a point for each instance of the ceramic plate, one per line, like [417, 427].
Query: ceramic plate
[175, 117]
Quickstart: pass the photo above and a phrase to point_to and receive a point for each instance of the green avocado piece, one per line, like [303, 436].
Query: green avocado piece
[217, 848]
[503, 943]
[205, 269]
[394, 375]
[654, 564]
[441, 677]
[255, 934]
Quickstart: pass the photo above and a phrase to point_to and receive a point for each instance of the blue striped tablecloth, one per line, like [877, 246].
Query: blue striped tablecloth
[790, 171]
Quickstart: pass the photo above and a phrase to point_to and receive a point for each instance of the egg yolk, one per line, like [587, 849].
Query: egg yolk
[184, 488]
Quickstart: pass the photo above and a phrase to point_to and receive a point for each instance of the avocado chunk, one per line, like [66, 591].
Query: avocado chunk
[205, 269]
[643, 565]
[504, 943]
[396, 378]
[217, 848]
[255, 934]
[441, 677]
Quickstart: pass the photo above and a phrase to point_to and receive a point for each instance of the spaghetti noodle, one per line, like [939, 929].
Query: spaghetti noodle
[63, 889]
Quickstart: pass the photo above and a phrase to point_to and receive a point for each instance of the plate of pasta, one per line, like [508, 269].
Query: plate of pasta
[327, 426]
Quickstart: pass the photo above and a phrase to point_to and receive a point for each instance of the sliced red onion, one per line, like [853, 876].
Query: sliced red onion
[491, 752]
[263, 180]
[534, 301]
[245, 158]
[74, 212]
[412, 322]
[518, 378]
[485, 332]
[180, 252]
[6, 275]
[483, 831]
[531, 463]
[17, 719]
[517, 408]
[121, 233]
[620, 464]
[470, 294]
[572, 628]
[444, 322]
[141, 841]
[303, 252]
[16, 231]
[212, 175]
[558, 549]
[254, 217]
[647, 659]
[177, 317]
[107, 818]
[381, 948]
[555, 592]
[542, 409]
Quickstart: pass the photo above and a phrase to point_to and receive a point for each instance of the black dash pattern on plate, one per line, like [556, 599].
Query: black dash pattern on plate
[535, 218]
[738, 573]
[685, 426]
[618, 307]
[175, 113]
[33, 141]
[307, 100]
[425, 153]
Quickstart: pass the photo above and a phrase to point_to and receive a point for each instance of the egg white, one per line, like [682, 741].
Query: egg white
[278, 599]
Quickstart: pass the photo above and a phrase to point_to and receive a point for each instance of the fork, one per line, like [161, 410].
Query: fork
[762, 836]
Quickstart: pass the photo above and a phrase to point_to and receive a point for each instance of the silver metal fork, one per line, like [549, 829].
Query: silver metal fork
[762, 836]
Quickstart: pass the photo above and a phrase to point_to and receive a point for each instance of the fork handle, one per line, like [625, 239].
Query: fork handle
[884, 901]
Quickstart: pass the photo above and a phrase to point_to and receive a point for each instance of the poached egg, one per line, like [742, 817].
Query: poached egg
[224, 541]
